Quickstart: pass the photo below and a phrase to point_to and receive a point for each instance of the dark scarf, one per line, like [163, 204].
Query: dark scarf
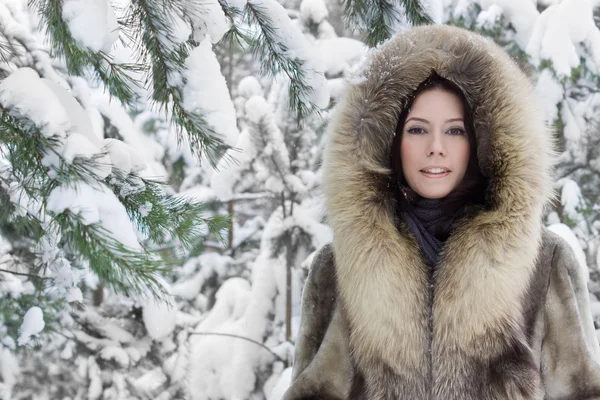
[431, 227]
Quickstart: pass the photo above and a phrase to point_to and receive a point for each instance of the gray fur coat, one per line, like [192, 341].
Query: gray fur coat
[506, 313]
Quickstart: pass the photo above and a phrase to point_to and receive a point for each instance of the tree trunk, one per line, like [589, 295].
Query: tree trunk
[230, 235]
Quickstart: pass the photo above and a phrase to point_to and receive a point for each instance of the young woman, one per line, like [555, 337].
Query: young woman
[441, 282]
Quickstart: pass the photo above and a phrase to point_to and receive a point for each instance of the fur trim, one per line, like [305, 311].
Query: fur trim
[487, 263]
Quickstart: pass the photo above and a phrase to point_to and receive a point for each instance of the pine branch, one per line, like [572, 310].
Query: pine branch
[235, 37]
[243, 338]
[5, 49]
[12, 310]
[155, 33]
[416, 13]
[163, 217]
[125, 270]
[25, 147]
[115, 76]
[122, 269]
[274, 60]
[261, 129]
[377, 17]
[23, 274]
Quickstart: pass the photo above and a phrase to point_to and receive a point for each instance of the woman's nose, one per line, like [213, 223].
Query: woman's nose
[436, 146]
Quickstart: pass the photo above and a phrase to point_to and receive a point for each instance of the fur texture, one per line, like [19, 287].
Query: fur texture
[467, 331]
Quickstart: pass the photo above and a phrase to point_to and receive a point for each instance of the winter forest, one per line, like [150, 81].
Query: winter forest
[160, 177]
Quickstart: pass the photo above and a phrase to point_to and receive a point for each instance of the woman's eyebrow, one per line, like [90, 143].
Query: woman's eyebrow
[455, 120]
[418, 119]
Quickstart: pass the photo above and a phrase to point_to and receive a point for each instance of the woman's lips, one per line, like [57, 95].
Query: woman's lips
[435, 176]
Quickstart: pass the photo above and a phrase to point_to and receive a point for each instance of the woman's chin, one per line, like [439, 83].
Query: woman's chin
[436, 194]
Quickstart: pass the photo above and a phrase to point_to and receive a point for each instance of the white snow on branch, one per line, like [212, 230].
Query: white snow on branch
[92, 22]
[340, 55]
[33, 323]
[25, 92]
[211, 355]
[228, 174]
[267, 136]
[209, 20]
[284, 380]
[206, 92]
[295, 45]
[550, 92]
[313, 11]
[559, 30]
[96, 205]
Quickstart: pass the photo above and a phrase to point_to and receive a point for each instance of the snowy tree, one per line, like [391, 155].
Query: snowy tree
[276, 188]
[85, 205]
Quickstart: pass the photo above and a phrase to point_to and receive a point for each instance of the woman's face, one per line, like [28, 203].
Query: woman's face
[434, 146]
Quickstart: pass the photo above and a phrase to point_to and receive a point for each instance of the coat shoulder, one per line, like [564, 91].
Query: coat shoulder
[319, 298]
[321, 284]
[558, 250]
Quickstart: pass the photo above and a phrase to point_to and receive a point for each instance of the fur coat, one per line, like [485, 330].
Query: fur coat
[505, 312]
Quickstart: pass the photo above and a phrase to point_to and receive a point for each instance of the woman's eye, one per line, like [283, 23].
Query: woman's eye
[416, 130]
[456, 131]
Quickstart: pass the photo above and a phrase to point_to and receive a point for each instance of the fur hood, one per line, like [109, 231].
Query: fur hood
[476, 292]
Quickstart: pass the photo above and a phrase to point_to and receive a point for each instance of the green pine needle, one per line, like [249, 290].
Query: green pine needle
[153, 30]
[274, 60]
[115, 76]
[377, 17]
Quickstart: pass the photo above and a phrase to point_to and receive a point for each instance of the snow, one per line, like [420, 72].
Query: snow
[572, 114]
[229, 373]
[9, 371]
[147, 151]
[206, 92]
[25, 92]
[116, 354]
[80, 120]
[150, 381]
[560, 28]
[571, 199]
[283, 383]
[178, 31]
[258, 111]
[211, 355]
[550, 92]
[340, 55]
[78, 145]
[487, 18]
[313, 11]
[92, 22]
[210, 22]
[250, 86]
[10, 284]
[224, 179]
[96, 205]
[65, 280]
[296, 46]
[123, 157]
[105, 327]
[188, 287]
[435, 9]
[518, 12]
[159, 319]
[95, 387]
[56, 112]
[33, 323]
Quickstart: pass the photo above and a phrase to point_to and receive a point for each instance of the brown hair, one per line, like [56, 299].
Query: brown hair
[473, 186]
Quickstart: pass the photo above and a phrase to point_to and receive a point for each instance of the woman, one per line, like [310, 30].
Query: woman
[474, 302]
